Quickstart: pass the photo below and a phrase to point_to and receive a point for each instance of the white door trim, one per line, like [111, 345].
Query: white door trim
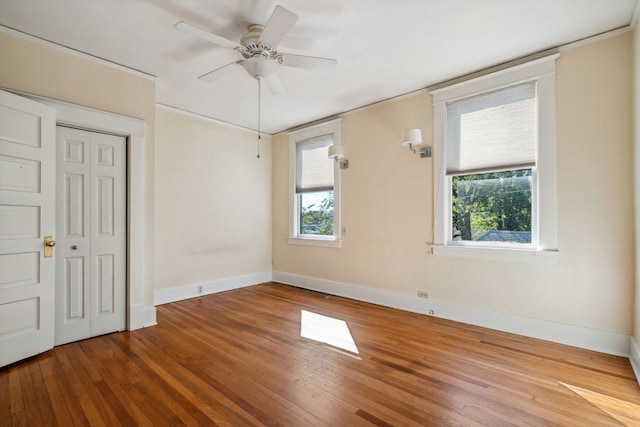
[134, 130]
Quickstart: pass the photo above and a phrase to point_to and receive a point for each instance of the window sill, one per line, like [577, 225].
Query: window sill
[327, 243]
[498, 254]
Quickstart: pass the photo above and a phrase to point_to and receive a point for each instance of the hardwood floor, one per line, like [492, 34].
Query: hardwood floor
[237, 358]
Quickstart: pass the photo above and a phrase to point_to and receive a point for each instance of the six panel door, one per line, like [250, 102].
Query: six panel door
[91, 229]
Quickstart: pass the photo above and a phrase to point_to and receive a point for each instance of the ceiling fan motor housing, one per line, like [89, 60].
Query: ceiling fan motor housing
[252, 46]
[253, 36]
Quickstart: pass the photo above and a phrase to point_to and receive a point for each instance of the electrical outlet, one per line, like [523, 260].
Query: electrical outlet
[199, 289]
[431, 312]
[423, 294]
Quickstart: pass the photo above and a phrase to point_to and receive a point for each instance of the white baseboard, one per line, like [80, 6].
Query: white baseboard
[164, 296]
[634, 358]
[577, 336]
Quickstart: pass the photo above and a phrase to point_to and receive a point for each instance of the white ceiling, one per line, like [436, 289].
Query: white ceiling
[384, 48]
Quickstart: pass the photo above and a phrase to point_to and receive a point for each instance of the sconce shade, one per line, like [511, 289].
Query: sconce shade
[412, 137]
[336, 152]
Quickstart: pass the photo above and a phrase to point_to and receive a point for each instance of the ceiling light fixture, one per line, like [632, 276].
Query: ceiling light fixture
[258, 49]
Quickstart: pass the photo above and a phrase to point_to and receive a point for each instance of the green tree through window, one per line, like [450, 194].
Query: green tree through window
[317, 217]
[492, 206]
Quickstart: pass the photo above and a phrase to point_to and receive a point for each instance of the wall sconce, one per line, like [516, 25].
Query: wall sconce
[336, 152]
[413, 137]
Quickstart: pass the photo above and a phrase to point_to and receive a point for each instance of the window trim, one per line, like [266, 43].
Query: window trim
[295, 238]
[541, 70]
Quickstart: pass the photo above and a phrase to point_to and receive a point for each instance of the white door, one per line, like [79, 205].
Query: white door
[91, 212]
[27, 217]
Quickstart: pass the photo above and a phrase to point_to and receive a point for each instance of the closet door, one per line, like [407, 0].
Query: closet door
[91, 221]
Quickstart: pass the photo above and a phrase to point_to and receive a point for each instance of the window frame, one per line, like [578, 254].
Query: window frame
[544, 205]
[295, 238]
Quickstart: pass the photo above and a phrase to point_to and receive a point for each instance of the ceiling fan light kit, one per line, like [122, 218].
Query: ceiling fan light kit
[257, 67]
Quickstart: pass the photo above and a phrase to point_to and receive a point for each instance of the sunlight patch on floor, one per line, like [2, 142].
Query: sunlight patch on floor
[328, 330]
[625, 412]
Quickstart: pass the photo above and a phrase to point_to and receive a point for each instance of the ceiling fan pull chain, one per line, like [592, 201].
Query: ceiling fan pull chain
[259, 102]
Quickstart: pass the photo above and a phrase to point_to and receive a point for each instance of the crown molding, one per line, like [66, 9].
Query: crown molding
[77, 53]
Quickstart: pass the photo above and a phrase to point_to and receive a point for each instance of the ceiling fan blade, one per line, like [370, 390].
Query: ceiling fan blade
[219, 72]
[308, 62]
[275, 84]
[278, 25]
[206, 35]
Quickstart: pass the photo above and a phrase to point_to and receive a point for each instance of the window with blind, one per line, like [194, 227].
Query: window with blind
[491, 155]
[315, 187]
[494, 152]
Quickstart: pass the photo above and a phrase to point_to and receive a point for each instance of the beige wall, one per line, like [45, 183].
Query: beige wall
[40, 70]
[213, 201]
[388, 202]
[636, 121]
[212, 196]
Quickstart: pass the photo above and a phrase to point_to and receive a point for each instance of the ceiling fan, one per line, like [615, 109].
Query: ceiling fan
[258, 49]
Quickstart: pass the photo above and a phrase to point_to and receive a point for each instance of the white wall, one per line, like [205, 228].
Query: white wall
[213, 205]
[389, 197]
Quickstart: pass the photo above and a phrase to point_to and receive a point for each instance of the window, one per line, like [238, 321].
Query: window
[491, 155]
[495, 164]
[314, 186]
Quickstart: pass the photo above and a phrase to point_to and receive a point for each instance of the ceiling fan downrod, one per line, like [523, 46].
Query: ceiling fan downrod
[259, 78]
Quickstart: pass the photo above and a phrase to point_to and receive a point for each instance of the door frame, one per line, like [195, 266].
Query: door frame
[134, 130]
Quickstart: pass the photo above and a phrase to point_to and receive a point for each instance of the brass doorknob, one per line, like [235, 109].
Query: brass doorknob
[49, 243]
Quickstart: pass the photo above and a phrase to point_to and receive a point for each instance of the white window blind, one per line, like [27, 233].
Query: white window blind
[492, 131]
[314, 170]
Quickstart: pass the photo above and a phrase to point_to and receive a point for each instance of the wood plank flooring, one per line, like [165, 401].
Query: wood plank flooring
[237, 359]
